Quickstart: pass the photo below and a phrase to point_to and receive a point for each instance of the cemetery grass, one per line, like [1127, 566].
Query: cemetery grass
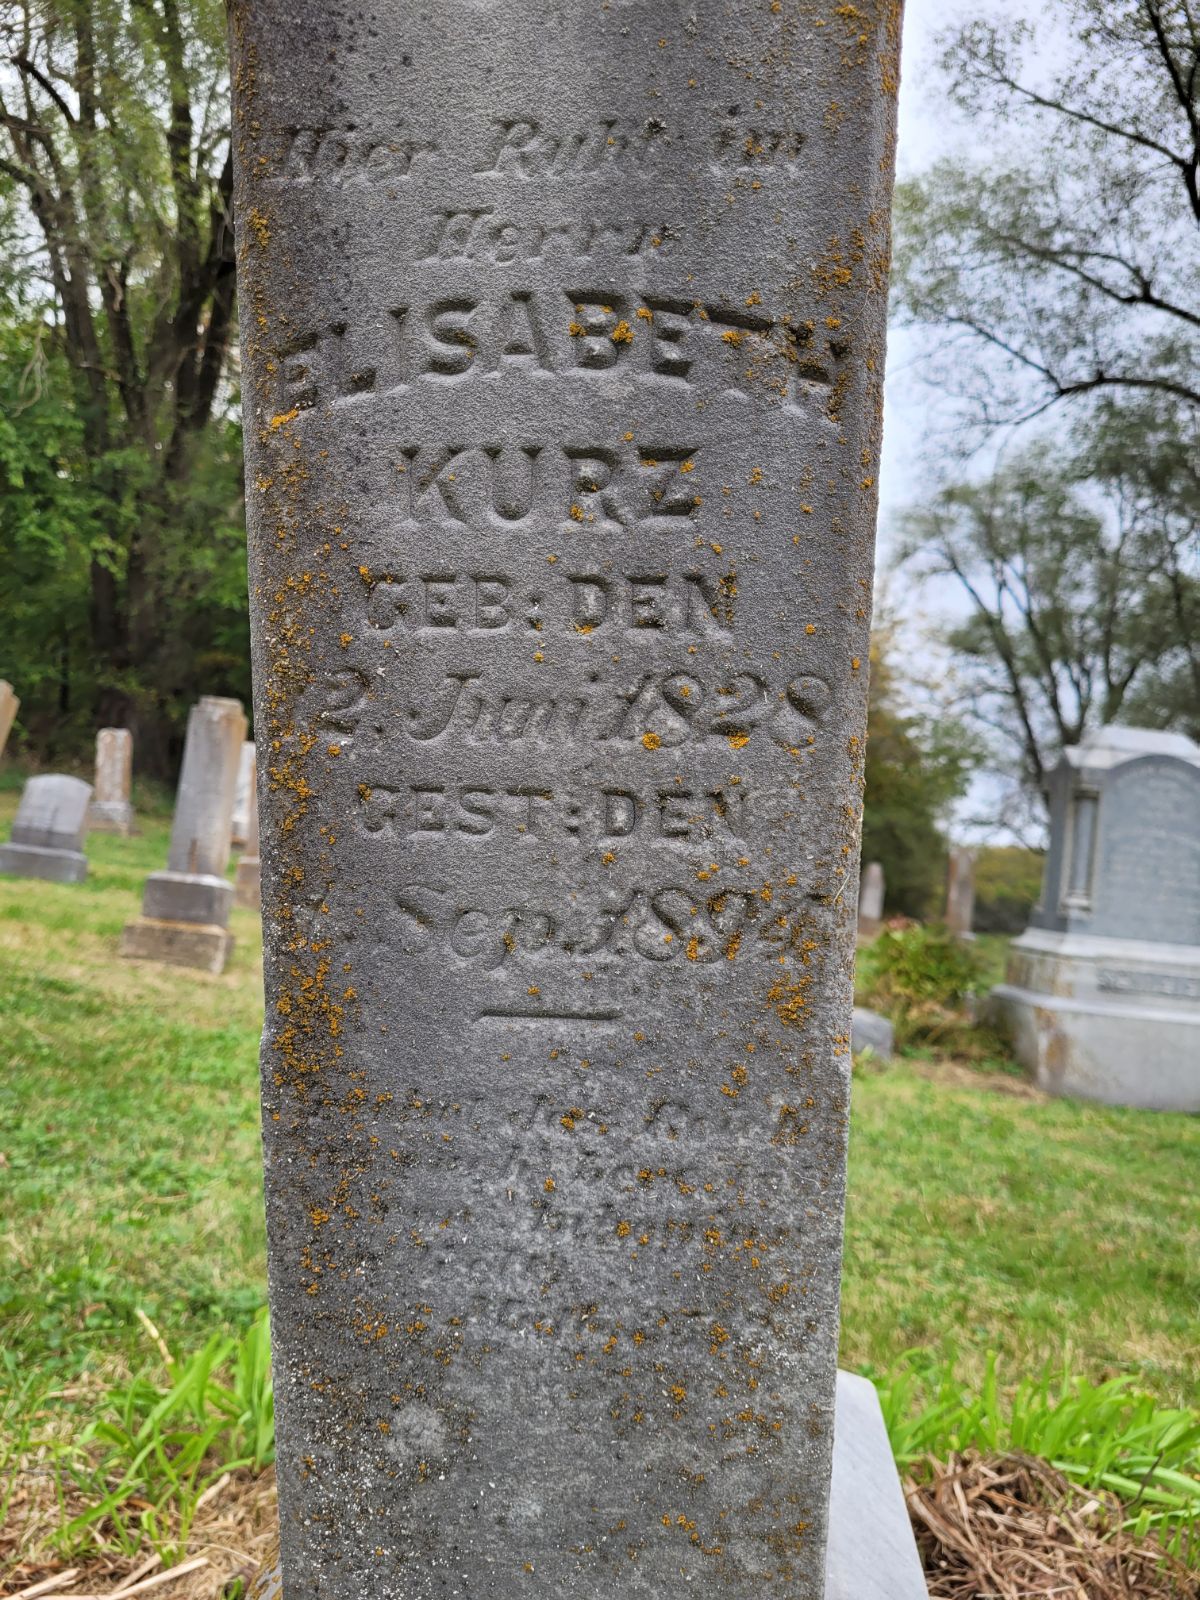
[988, 1232]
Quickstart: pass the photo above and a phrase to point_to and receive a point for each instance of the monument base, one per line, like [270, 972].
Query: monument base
[247, 892]
[872, 1553]
[40, 861]
[1114, 1020]
[179, 944]
[111, 816]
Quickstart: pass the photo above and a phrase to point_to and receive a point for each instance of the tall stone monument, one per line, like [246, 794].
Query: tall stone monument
[243, 798]
[112, 811]
[870, 900]
[563, 347]
[48, 831]
[185, 910]
[9, 706]
[960, 891]
[1102, 997]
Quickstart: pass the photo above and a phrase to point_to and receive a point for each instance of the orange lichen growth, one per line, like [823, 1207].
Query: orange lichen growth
[651, 740]
[622, 333]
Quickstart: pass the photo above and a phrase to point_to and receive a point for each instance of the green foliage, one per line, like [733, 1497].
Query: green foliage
[923, 977]
[120, 466]
[1108, 1435]
[1008, 881]
[153, 1447]
[916, 766]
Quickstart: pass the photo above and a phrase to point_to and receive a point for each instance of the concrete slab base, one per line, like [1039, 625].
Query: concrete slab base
[40, 861]
[872, 1553]
[1114, 1020]
[179, 944]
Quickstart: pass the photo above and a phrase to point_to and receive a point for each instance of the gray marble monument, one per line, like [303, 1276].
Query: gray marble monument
[9, 706]
[1102, 997]
[112, 811]
[48, 831]
[870, 900]
[563, 346]
[960, 891]
[185, 910]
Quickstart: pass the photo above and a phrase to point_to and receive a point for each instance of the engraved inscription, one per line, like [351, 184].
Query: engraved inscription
[659, 340]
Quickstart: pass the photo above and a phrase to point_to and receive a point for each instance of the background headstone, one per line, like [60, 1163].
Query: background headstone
[48, 832]
[241, 833]
[871, 1031]
[563, 344]
[246, 878]
[185, 910]
[112, 811]
[9, 706]
[870, 900]
[960, 891]
[1102, 997]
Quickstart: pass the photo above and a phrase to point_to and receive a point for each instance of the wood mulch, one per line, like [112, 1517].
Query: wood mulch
[999, 1527]
[1011, 1527]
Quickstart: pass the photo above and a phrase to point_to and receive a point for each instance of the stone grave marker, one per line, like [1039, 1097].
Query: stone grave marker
[960, 891]
[240, 832]
[563, 346]
[870, 900]
[246, 878]
[1102, 997]
[185, 910]
[112, 811]
[48, 831]
[9, 706]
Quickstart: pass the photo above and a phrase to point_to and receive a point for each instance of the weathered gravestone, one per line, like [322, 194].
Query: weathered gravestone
[185, 910]
[111, 810]
[48, 831]
[243, 798]
[9, 706]
[960, 891]
[1103, 991]
[246, 878]
[870, 900]
[563, 349]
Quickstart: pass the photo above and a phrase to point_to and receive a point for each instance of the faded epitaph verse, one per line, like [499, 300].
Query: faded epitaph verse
[563, 339]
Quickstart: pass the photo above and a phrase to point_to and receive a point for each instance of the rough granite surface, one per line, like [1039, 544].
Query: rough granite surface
[563, 352]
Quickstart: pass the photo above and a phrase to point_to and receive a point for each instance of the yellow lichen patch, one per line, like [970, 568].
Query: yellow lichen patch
[732, 336]
[622, 333]
[284, 417]
[576, 513]
[549, 1186]
[651, 740]
[645, 313]
[693, 948]
[738, 741]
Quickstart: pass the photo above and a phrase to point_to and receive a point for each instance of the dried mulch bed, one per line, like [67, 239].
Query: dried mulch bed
[236, 1524]
[1000, 1527]
[1011, 1527]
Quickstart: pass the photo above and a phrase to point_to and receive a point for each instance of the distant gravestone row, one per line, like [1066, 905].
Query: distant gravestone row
[185, 909]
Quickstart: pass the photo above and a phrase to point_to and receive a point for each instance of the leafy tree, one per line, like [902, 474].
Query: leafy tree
[916, 767]
[1074, 619]
[1074, 270]
[114, 140]
[1066, 281]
